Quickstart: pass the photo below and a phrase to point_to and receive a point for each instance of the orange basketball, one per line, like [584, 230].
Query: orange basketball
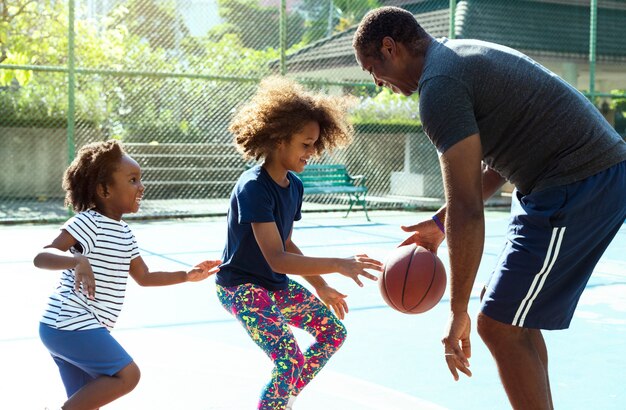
[413, 281]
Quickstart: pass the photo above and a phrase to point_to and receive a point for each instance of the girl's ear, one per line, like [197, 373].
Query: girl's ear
[101, 191]
[277, 146]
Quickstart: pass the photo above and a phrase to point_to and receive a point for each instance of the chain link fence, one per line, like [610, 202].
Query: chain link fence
[164, 76]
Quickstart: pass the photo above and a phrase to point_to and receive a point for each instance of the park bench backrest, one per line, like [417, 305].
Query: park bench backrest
[325, 175]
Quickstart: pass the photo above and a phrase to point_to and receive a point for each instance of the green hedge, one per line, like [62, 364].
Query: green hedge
[390, 127]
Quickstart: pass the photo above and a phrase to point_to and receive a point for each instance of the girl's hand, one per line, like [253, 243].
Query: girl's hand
[83, 275]
[203, 270]
[426, 234]
[336, 300]
[355, 266]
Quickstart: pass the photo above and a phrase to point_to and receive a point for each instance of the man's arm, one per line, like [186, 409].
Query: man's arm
[492, 181]
[465, 228]
[428, 234]
[462, 171]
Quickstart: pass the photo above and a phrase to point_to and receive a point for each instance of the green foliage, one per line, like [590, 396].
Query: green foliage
[21, 76]
[144, 36]
[20, 38]
[618, 103]
[327, 17]
[388, 127]
[257, 27]
[229, 56]
[38, 34]
[35, 33]
[25, 41]
[148, 107]
[352, 11]
[20, 106]
[160, 24]
[387, 108]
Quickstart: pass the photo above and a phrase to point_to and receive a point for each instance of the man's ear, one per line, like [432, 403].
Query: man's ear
[389, 46]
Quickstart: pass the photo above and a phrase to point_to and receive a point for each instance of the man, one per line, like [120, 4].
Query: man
[495, 115]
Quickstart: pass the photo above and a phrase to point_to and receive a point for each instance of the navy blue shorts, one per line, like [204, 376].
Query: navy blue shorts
[554, 241]
[83, 355]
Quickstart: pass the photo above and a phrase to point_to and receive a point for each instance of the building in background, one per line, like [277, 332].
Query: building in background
[553, 32]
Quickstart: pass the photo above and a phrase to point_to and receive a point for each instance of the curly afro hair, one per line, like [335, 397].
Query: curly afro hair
[393, 22]
[93, 166]
[280, 108]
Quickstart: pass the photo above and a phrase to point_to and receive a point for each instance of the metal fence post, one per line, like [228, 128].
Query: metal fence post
[283, 35]
[71, 86]
[451, 33]
[593, 29]
[71, 81]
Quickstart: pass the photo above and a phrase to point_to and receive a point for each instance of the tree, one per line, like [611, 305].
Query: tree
[36, 33]
[9, 13]
[159, 23]
[151, 106]
[257, 27]
[324, 18]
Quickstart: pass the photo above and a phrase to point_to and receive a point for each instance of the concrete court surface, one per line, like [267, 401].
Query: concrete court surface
[194, 356]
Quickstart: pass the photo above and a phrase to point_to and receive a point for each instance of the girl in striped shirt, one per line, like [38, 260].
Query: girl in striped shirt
[96, 251]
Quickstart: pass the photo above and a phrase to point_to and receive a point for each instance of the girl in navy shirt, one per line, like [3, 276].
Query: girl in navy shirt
[284, 126]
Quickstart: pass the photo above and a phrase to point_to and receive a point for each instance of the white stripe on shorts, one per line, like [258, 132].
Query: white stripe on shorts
[540, 278]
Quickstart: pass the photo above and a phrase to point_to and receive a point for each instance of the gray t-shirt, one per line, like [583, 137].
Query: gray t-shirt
[536, 130]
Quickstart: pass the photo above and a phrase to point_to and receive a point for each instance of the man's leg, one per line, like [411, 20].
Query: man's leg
[522, 360]
[556, 237]
[540, 346]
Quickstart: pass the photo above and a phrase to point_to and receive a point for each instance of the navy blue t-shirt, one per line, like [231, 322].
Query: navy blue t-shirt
[257, 198]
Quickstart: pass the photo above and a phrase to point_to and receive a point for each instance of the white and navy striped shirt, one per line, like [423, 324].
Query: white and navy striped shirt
[110, 246]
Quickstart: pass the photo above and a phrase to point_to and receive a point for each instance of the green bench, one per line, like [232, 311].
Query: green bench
[319, 179]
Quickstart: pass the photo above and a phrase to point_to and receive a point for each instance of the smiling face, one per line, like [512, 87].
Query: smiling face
[294, 154]
[395, 69]
[124, 192]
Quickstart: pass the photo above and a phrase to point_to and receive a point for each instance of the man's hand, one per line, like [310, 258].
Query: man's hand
[457, 346]
[426, 234]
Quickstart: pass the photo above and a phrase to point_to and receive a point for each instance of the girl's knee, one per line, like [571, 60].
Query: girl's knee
[298, 360]
[342, 334]
[334, 335]
[289, 359]
[129, 376]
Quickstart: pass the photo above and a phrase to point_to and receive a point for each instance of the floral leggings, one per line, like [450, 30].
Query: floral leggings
[266, 316]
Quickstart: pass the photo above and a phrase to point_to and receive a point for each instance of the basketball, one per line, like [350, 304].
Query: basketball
[413, 280]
